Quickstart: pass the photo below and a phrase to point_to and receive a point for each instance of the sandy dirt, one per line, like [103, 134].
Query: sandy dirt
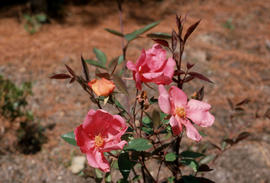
[231, 46]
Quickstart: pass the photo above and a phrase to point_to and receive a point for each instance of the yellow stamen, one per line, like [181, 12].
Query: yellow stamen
[99, 141]
[180, 111]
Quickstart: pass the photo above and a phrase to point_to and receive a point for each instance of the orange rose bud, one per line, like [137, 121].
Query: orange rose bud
[102, 87]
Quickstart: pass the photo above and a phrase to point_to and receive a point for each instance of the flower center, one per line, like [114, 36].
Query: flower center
[99, 141]
[180, 111]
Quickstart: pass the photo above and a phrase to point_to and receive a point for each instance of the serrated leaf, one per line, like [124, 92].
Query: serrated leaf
[207, 159]
[191, 29]
[133, 35]
[70, 70]
[204, 168]
[60, 76]
[125, 164]
[200, 76]
[191, 163]
[174, 40]
[95, 63]
[69, 138]
[120, 59]
[100, 56]
[85, 69]
[162, 42]
[146, 121]
[159, 35]
[242, 136]
[117, 33]
[147, 130]
[120, 84]
[191, 154]
[138, 145]
[170, 157]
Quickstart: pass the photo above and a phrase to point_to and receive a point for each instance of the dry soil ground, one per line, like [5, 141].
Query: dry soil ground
[231, 46]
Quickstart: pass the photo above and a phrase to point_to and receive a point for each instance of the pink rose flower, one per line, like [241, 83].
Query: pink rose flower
[175, 103]
[100, 132]
[152, 66]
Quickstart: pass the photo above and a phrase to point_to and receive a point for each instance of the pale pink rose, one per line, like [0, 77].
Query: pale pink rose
[152, 66]
[176, 103]
[100, 132]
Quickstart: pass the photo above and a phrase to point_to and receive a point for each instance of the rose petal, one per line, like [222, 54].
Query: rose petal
[163, 100]
[177, 97]
[192, 133]
[141, 59]
[176, 125]
[83, 140]
[198, 112]
[155, 57]
[97, 122]
[137, 78]
[131, 66]
[169, 68]
[113, 145]
[96, 159]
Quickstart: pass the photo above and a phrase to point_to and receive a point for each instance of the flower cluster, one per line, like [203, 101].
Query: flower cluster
[101, 131]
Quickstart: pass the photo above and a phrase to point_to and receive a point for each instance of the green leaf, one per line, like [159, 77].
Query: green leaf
[41, 17]
[100, 56]
[147, 121]
[207, 159]
[125, 165]
[136, 33]
[95, 63]
[69, 138]
[191, 154]
[171, 179]
[108, 178]
[191, 163]
[114, 32]
[138, 145]
[120, 84]
[120, 59]
[170, 157]
[148, 130]
[159, 35]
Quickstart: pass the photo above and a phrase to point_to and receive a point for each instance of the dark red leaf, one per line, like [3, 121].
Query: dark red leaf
[162, 42]
[199, 76]
[239, 109]
[242, 136]
[190, 30]
[229, 141]
[176, 73]
[72, 80]
[200, 94]
[245, 101]
[70, 70]
[103, 75]
[267, 113]
[189, 78]
[174, 40]
[204, 168]
[189, 65]
[85, 69]
[60, 76]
